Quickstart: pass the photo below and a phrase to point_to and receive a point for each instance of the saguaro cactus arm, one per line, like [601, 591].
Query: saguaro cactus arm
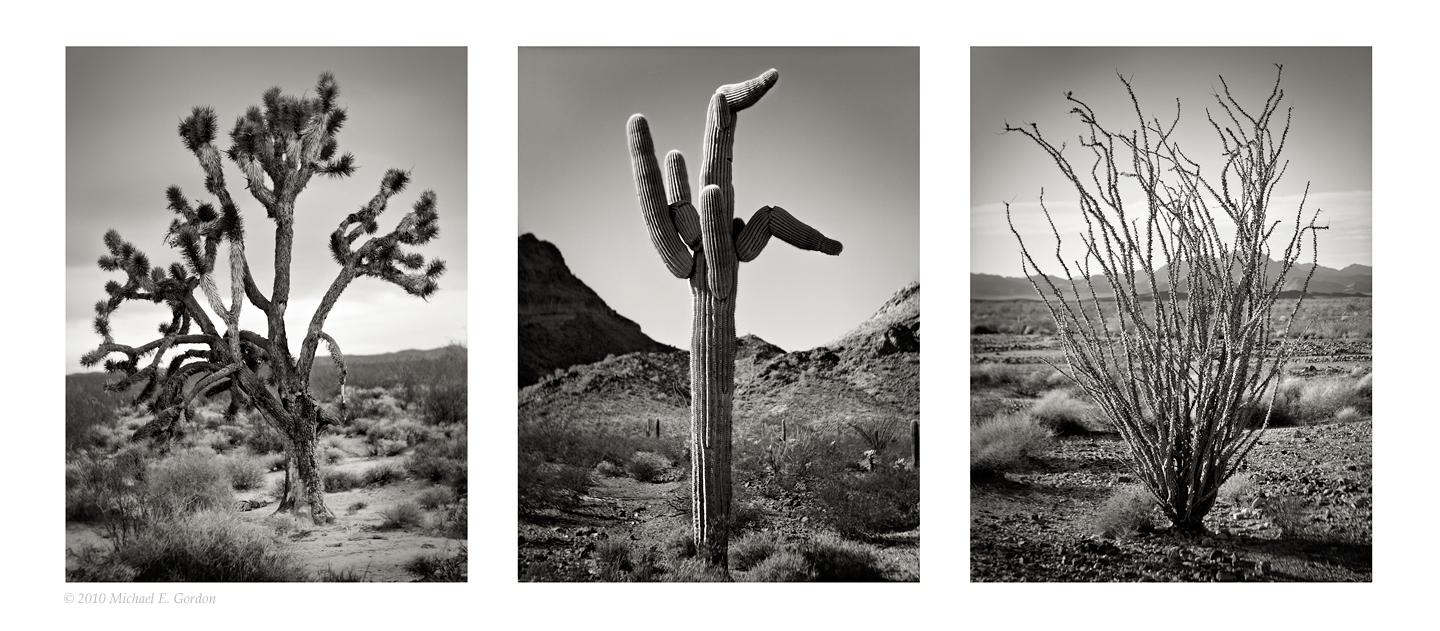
[649, 188]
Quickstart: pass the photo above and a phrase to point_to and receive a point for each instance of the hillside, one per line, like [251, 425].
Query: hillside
[562, 321]
[871, 373]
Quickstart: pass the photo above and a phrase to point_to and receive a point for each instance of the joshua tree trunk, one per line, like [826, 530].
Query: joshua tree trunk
[719, 242]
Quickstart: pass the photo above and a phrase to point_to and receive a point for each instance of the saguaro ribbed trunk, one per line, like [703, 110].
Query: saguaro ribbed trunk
[719, 243]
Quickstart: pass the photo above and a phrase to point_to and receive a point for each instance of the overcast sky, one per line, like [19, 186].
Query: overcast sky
[407, 110]
[835, 142]
[1329, 143]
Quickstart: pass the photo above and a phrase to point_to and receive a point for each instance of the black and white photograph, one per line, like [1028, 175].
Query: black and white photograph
[1171, 315]
[683, 417]
[265, 315]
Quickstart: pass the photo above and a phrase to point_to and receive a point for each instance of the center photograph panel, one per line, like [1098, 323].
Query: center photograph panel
[684, 417]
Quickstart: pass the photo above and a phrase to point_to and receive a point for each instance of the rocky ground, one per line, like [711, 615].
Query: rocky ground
[1035, 525]
[1305, 513]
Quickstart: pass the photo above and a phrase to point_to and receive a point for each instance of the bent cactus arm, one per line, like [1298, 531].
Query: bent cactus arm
[719, 242]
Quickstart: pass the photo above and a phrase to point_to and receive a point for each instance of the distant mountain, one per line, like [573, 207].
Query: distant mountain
[1353, 280]
[562, 321]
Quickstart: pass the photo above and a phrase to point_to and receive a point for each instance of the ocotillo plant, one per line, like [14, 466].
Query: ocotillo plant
[277, 148]
[707, 249]
[1188, 355]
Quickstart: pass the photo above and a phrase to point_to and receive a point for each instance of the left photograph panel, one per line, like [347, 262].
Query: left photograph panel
[265, 290]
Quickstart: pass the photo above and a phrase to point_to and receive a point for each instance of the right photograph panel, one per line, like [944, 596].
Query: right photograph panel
[1170, 370]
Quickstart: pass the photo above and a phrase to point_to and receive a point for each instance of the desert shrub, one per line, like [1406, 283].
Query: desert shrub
[1286, 512]
[748, 551]
[443, 461]
[402, 515]
[679, 542]
[244, 473]
[870, 503]
[440, 567]
[443, 405]
[609, 469]
[1128, 510]
[543, 484]
[1065, 415]
[454, 521]
[332, 455]
[834, 559]
[263, 439]
[1239, 491]
[382, 474]
[786, 566]
[435, 497]
[189, 482]
[98, 564]
[95, 487]
[337, 481]
[646, 467]
[694, 570]
[1005, 442]
[207, 546]
[745, 514]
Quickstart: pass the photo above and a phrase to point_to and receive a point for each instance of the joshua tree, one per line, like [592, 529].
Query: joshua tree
[707, 248]
[1188, 356]
[278, 148]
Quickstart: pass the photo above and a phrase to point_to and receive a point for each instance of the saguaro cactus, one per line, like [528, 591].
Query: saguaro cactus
[707, 249]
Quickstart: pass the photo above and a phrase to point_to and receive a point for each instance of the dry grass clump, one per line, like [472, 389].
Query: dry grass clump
[402, 515]
[834, 559]
[337, 481]
[1066, 415]
[1239, 491]
[786, 566]
[382, 474]
[694, 570]
[1005, 442]
[1129, 509]
[752, 549]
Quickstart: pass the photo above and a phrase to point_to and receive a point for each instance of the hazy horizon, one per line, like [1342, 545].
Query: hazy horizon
[835, 142]
[1329, 144]
[407, 109]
